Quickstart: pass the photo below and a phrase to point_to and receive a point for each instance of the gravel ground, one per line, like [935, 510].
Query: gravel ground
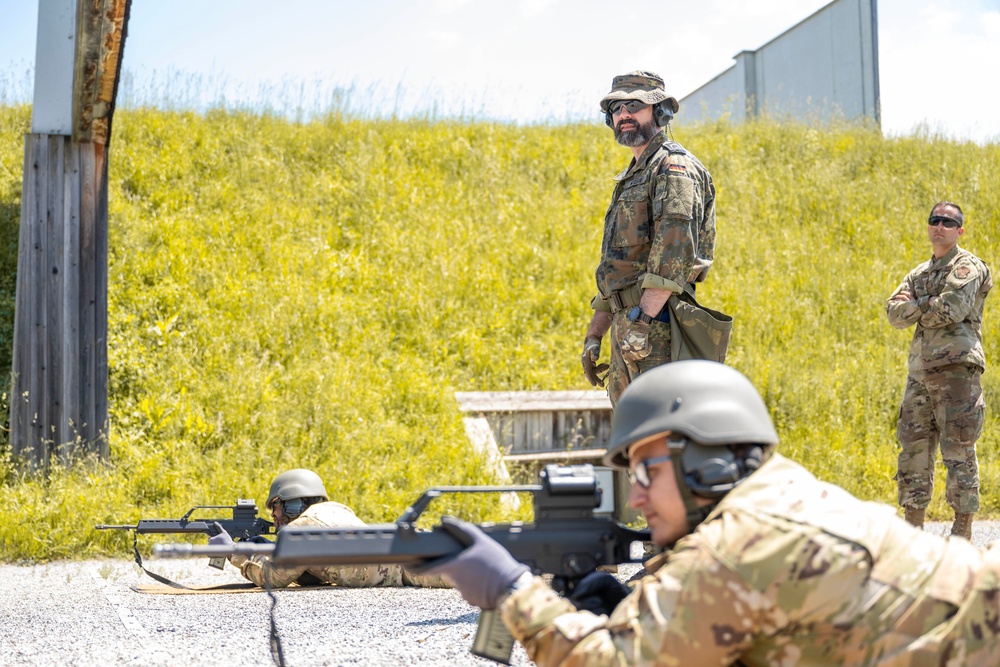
[86, 613]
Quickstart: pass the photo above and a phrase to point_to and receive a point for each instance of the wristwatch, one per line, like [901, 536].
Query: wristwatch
[637, 314]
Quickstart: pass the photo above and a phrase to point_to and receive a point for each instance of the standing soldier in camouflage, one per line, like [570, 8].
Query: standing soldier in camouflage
[298, 498]
[767, 564]
[659, 234]
[943, 401]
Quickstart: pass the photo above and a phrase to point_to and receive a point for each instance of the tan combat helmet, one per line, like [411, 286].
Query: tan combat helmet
[718, 429]
[297, 483]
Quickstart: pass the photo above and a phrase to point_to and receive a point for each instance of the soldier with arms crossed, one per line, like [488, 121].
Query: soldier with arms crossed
[943, 401]
[659, 234]
[298, 498]
[767, 564]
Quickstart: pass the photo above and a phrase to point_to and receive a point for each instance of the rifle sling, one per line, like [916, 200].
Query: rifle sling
[160, 578]
[274, 641]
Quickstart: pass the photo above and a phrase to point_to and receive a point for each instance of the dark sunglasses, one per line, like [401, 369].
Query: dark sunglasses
[640, 473]
[949, 223]
[632, 105]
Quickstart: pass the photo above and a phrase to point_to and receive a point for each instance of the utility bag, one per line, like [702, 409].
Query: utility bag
[697, 332]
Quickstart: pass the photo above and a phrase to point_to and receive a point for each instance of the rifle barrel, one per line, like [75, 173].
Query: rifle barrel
[565, 548]
[182, 550]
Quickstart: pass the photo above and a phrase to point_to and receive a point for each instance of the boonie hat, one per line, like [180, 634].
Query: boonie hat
[638, 85]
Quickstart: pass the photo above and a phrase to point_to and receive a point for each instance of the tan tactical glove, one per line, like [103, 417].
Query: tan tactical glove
[591, 353]
[635, 346]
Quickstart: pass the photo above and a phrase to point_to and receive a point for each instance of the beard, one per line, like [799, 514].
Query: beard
[639, 135]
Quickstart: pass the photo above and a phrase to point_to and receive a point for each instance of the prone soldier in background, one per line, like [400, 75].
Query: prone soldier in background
[298, 497]
[767, 564]
[943, 401]
[659, 234]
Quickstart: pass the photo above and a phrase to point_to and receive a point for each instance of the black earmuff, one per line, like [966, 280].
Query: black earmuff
[662, 114]
[608, 121]
[713, 477]
[712, 472]
[294, 507]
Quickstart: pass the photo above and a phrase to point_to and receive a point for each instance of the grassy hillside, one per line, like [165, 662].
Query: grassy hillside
[313, 294]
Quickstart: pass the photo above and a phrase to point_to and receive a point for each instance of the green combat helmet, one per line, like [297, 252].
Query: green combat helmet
[295, 484]
[718, 427]
[646, 87]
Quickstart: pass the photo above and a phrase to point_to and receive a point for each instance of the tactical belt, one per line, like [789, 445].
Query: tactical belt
[624, 298]
[628, 297]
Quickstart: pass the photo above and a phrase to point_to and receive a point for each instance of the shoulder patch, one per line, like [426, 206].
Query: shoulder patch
[962, 272]
[674, 147]
[679, 168]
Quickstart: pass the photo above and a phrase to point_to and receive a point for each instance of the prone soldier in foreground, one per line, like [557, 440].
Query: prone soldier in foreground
[299, 498]
[768, 565]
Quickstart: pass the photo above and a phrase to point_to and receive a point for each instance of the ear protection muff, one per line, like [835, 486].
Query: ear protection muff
[712, 472]
[294, 507]
[608, 121]
[662, 114]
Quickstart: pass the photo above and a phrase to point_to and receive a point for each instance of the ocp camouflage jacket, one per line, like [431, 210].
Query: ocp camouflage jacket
[786, 570]
[946, 304]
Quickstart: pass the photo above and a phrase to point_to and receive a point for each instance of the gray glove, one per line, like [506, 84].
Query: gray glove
[591, 353]
[221, 538]
[635, 346]
[481, 572]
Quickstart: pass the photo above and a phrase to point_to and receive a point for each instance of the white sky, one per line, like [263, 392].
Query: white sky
[520, 60]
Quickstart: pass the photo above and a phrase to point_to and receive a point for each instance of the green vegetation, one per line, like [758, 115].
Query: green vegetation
[312, 294]
[14, 122]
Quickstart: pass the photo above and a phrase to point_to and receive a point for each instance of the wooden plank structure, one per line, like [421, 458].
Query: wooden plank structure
[534, 428]
[59, 396]
[544, 425]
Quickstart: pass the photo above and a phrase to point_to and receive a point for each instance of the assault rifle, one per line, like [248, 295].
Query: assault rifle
[244, 525]
[567, 540]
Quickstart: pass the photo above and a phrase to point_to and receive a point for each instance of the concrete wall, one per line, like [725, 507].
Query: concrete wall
[824, 67]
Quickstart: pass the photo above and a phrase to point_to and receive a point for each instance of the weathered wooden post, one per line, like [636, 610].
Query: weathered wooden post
[59, 397]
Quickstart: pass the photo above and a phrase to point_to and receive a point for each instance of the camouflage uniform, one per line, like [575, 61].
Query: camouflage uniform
[786, 570]
[943, 402]
[659, 232]
[259, 569]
